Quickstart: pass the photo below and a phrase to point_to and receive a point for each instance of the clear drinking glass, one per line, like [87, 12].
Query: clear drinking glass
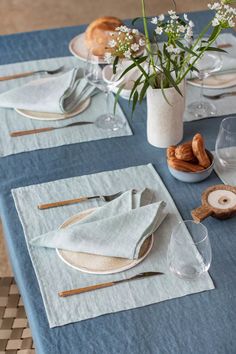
[189, 250]
[226, 143]
[207, 64]
[94, 74]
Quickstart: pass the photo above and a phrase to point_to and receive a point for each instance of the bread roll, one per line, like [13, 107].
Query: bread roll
[98, 34]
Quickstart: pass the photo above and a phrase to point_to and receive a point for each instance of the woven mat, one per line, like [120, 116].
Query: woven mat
[15, 335]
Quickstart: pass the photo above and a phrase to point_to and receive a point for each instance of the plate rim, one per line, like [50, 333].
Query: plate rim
[85, 104]
[75, 54]
[81, 269]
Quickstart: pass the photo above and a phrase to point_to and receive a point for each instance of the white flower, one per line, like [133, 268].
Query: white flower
[127, 54]
[215, 6]
[124, 29]
[134, 47]
[186, 17]
[215, 22]
[177, 50]
[191, 24]
[231, 23]
[108, 58]
[174, 17]
[161, 17]
[170, 48]
[171, 12]
[130, 37]
[135, 31]
[181, 29]
[154, 20]
[112, 43]
[159, 30]
[142, 42]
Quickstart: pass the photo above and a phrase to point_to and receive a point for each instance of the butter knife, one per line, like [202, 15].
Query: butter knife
[221, 95]
[47, 129]
[106, 285]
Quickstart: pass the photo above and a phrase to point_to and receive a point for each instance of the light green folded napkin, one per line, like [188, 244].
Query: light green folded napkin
[118, 229]
[55, 94]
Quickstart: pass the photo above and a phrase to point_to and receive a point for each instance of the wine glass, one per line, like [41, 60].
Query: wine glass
[94, 74]
[189, 250]
[206, 65]
[226, 143]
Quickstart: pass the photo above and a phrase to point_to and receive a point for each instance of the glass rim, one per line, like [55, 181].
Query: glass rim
[193, 222]
[222, 124]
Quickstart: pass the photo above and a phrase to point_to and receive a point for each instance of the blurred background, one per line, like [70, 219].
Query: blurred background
[28, 15]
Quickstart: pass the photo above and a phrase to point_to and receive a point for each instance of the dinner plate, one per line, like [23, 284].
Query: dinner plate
[216, 81]
[95, 264]
[54, 116]
[78, 48]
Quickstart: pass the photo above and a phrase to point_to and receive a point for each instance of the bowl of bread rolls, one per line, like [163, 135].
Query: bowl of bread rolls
[190, 162]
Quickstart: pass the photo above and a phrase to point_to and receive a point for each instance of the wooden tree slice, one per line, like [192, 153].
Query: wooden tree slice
[218, 201]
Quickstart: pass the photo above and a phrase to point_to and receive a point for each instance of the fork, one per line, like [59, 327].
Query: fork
[29, 73]
[221, 95]
[104, 198]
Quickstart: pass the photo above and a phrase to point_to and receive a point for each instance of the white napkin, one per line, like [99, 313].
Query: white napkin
[55, 94]
[118, 229]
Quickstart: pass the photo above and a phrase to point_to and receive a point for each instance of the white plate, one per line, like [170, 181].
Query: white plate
[94, 264]
[216, 81]
[78, 48]
[54, 116]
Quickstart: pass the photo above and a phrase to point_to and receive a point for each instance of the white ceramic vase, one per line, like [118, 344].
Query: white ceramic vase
[165, 121]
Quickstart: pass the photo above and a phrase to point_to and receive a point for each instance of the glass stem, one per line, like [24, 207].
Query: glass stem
[201, 93]
[108, 96]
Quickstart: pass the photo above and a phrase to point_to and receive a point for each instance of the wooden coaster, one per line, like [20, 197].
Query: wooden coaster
[15, 335]
[218, 201]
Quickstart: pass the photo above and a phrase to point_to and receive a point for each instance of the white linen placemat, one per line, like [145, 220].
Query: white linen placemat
[11, 120]
[54, 276]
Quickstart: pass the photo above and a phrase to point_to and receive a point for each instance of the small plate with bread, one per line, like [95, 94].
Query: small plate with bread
[190, 162]
[95, 37]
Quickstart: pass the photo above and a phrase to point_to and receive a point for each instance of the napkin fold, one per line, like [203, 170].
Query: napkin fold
[55, 94]
[118, 229]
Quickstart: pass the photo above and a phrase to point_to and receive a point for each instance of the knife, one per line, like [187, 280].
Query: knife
[106, 285]
[42, 130]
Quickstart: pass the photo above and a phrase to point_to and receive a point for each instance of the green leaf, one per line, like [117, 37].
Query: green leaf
[212, 49]
[115, 64]
[214, 34]
[135, 100]
[172, 81]
[139, 60]
[117, 97]
[163, 92]
[136, 84]
[135, 20]
[186, 49]
[143, 91]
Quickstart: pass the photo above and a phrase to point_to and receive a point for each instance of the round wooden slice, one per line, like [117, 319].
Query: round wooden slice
[218, 201]
[95, 264]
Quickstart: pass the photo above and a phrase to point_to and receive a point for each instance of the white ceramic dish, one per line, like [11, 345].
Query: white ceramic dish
[193, 177]
[54, 116]
[79, 49]
[95, 264]
[216, 81]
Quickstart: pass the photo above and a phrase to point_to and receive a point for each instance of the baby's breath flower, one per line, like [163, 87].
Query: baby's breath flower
[170, 48]
[186, 17]
[154, 20]
[215, 6]
[112, 43]
[215, 22]
[159, 30]
[161, 17]
[191, 24]
[171, 12]
[135, 31]
[134, 47]
[127, 54]
[181, 29]
[142, 42]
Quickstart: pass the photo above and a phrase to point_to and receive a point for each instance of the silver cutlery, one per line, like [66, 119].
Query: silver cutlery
[47, 129]
[106, 285]
[105, 198]
[221, 95]
[29, 73]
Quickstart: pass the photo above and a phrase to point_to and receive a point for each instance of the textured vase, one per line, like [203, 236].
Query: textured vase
[164, 120]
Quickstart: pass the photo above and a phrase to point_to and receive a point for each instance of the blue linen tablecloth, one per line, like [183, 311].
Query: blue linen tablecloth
[197, 324]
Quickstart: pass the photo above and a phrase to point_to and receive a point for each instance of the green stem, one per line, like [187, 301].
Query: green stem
[147, 35]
